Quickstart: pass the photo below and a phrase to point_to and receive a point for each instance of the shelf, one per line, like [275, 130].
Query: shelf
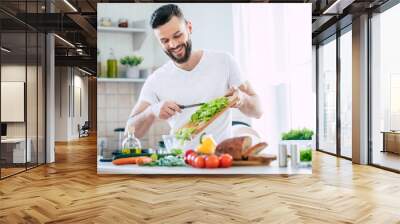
[120, 80]
[138, 33]
[119, 29]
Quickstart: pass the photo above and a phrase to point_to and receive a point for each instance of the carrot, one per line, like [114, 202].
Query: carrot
[144, 159]
[123, 161]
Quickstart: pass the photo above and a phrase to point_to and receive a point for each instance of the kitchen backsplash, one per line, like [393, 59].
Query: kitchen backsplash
[115, 101]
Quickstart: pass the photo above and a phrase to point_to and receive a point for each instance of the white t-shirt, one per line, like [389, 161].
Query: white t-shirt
[215, 73]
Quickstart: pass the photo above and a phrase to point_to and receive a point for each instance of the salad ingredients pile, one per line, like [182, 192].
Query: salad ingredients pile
[167, 161]
[208, 110]
[204, 155]
[197, 160]
[184, 134]
[205, 113]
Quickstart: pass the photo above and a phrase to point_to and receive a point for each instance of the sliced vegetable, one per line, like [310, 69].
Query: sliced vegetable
[177, 152]
[208, 110]
[184, 134]
[203, 114]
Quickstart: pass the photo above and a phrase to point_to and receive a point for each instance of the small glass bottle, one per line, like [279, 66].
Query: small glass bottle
[131, 143]
[112, 65]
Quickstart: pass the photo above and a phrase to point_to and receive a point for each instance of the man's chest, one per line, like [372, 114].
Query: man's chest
[194, 88]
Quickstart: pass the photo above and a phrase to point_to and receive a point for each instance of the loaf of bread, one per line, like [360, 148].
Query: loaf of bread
[234, 146]
[254, 150]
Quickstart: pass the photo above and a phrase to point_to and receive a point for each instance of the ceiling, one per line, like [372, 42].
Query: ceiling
[77, 22]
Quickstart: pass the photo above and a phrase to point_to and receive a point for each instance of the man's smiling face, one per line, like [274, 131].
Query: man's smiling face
[174, 37]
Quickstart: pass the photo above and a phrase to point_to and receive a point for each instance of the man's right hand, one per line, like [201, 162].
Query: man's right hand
[166, 109]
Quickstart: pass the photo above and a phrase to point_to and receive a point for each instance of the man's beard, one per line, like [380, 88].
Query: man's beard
[188, 50]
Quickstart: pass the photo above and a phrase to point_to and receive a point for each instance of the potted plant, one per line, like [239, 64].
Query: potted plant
[132, 62]
[303, 138]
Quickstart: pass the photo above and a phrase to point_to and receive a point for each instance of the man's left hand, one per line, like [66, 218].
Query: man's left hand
[235, 95]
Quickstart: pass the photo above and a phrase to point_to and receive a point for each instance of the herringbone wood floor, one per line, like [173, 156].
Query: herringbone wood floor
[70, 191]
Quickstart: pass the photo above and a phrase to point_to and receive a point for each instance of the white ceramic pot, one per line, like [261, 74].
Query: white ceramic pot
[132, 72]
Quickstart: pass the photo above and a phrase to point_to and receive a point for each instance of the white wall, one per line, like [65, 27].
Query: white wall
[66, 120]
[61, 103]
[33, 127]
[17, 73]
[206, 30]
[122, 43]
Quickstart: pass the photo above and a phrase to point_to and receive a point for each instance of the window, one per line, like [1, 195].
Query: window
[346, 94]
[22, 75]
[327, 96]
[385, 89]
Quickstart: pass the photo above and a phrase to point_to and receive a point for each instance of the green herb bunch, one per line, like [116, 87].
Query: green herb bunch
[306, 155]
[298, 134]
[131, 61]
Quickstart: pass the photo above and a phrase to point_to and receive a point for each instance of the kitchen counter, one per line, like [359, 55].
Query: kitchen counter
[273, 168]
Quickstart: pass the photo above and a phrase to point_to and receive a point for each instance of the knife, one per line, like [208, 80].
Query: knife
[190, 105]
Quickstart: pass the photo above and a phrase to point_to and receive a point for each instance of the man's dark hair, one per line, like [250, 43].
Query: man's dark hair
[164, 14]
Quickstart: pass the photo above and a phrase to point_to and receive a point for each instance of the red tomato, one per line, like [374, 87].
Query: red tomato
[225, 161]
[187, 154]
[191, 158]
[212, 161]
[199, 162]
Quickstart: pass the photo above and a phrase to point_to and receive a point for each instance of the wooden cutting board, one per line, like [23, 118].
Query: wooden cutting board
[200, 127]
[263, 160]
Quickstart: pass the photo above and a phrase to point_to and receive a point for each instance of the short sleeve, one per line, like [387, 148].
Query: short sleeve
[235, 77]
[148, 93]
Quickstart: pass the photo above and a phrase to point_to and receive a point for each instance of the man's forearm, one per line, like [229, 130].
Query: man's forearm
[251, 106]
[141, 122]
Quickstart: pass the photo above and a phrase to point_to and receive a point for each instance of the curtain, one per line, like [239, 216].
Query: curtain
[272, 43]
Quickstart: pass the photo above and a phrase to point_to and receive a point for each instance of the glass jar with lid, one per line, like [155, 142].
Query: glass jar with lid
[131, 144]
[123, 23]
[105, 21]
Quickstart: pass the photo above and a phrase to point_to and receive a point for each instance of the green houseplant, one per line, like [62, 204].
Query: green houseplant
[303, 139]
[298, 134]
[132, 62]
